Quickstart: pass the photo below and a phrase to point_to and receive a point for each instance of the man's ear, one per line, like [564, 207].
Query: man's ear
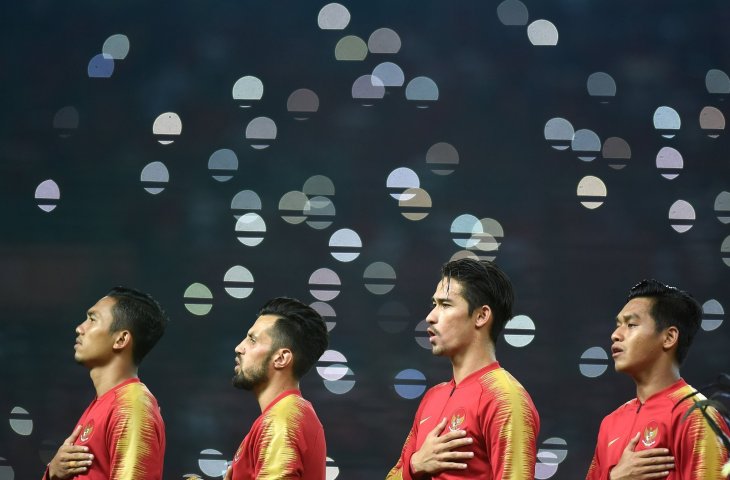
[483, 315]
[671, 338]
[283, 358]
[122, 340]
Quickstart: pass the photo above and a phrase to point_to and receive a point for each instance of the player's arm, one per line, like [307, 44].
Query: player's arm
[70, 460]
[511, 426]
[698, 451]
[135, 437]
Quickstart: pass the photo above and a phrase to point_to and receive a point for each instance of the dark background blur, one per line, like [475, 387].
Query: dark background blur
[571, 266]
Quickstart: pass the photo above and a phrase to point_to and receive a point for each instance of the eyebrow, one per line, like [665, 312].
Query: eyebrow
[91, 313]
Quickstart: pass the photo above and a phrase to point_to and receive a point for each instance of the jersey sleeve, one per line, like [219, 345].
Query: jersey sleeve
[402, 468]
[280, 448]
[511, 426]
[699, 453]
[136, 436]
[596, 469]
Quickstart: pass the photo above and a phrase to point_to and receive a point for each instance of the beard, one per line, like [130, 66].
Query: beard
[255, 376]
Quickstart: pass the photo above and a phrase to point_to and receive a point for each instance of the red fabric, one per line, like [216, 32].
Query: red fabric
[286, 441]
[125, 432]
[495, 410]
[698, 453]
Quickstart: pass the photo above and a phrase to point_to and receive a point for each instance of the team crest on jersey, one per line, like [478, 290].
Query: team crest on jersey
[87, 432]
[457, 420]
[650, 435]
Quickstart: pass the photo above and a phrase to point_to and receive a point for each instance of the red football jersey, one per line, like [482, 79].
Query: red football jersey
[495, 410]
[286, 441]
[125, 432]
[698, 453]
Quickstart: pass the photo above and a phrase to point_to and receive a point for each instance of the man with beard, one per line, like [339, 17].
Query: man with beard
[121, 434]
[482, 423]
[287, 439]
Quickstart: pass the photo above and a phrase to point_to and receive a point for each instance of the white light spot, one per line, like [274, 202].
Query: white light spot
[542, 33]
[345, 245]
[324, 284]
[198, 299]
[116, 46]
[212, 463]
[21, 421]
[384, 40]
[302, 103]
[389, 74]
[423, 91]
[712, 315]
[586, 145]
[415, 204]
[261, 131]
[154, 177]
[592, 190]
[717, 82]
[594, 362]
[379, 278]
[667, 121]
[399, 181]
[333, 16]
[559, 133]
[221, 163]
[669, 162]
[100, 66]
[47, 195]
[167, 126]
[351, 49]
[250, 229]
[681, 216]
[722, 207]
[519, 331]
[601, 84]
[238, 282]
[512, 13]
[247, 89]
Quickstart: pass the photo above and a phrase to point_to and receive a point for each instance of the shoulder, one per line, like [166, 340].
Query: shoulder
[500, 382]
[626, 408]
[291, 409]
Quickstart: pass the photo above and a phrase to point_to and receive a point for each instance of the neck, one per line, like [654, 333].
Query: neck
[109, 376]
[273, 388]
[471, 360]
[652, 381]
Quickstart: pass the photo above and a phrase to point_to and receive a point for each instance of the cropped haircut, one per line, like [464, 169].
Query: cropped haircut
[483, 283]
[299, 328]
[671, 307]
[139, 313]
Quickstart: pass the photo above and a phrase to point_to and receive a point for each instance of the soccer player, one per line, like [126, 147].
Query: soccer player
[482, 423]
[121, 434]
[287, 439]
[649, 436]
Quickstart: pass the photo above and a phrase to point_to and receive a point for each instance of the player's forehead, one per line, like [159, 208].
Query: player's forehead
[262, 324]
[448, 288]
[636, 308]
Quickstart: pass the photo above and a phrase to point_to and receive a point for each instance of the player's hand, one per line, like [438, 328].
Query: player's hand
[644, 464]
[229, 473]
[438, 451]
[70, 459]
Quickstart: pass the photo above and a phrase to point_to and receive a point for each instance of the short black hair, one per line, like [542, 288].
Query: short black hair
[299, 328]
[483, 283]
[671, 307]
[139, 313]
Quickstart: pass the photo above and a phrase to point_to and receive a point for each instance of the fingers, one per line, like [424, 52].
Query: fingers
[72, 438]
[457, 443]
[632, 444]
[438, 428]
